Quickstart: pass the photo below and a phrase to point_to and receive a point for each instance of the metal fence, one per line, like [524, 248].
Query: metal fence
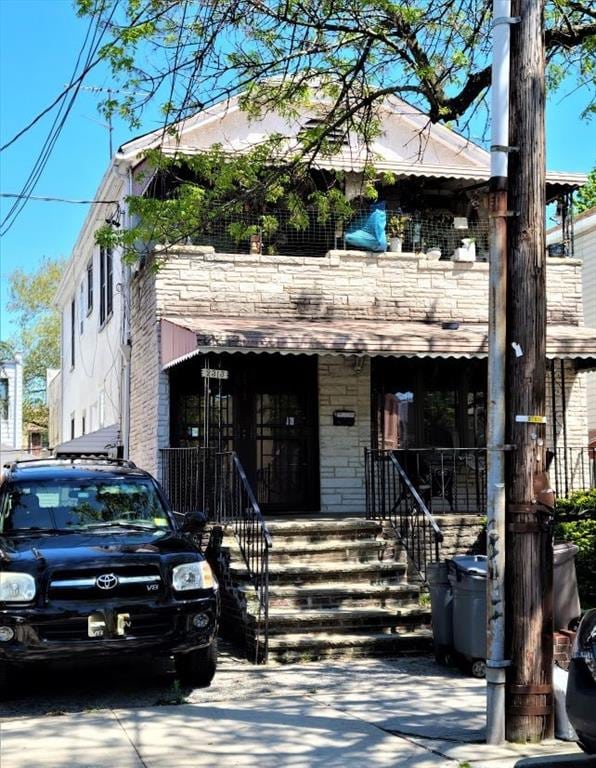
[391, 496]
[238, 508]
[275, 233]
[572, 469]
[188, 479]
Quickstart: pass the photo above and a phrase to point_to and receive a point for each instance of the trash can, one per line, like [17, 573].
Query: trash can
[467, 574]
[566, 597]
[441, 607]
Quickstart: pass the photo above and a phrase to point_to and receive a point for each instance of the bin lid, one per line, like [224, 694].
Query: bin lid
[564, 551]
[475, 565]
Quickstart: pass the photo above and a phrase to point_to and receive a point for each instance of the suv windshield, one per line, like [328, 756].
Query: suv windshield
[74, 503]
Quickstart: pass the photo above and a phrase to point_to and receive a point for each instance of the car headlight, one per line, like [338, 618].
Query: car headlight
[16, 587]
[584, 644]
[193, 576]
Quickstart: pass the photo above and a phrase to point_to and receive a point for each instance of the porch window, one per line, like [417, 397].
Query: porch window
[430, 403]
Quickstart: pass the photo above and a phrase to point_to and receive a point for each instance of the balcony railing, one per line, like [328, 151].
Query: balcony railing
[273, 233]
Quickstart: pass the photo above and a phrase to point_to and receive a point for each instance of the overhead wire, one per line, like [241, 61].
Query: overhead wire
[95, 35]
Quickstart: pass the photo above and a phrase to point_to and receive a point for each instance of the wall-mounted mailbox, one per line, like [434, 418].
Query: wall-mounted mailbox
[344, 418]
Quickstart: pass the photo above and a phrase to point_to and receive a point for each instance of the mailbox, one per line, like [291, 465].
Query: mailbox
[344, 418]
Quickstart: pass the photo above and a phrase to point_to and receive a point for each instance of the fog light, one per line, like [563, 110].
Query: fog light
[201, 620]
[6, 634]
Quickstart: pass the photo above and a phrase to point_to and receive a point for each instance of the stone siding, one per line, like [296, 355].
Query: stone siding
[343, 387]
[149, 396]
[342, 284]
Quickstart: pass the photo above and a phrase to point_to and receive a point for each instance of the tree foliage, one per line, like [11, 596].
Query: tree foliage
[38, 335]
[586, 197]
[276, 53]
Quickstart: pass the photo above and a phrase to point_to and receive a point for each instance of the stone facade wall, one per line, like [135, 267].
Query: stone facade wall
[149, 396]
[343, 387]
[354, 284]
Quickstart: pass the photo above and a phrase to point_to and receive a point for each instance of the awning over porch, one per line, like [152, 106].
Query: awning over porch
[185, 337]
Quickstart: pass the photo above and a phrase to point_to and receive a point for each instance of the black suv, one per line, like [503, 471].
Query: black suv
[93, 561]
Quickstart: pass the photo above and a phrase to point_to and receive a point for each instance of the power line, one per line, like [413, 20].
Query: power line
[39, 198]
[95, 36]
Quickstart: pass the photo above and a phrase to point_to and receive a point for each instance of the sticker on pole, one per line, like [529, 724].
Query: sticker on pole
[530, 419]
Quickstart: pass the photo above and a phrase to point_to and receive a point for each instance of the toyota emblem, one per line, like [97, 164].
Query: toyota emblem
[107, 581]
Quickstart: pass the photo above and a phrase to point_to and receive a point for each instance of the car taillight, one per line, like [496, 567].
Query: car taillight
[584, 645]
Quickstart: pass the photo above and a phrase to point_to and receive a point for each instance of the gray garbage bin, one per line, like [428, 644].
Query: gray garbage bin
[565, 594]
[467, 574]
[441, 606]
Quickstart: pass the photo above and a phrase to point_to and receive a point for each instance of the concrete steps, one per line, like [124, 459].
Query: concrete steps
[337, 587]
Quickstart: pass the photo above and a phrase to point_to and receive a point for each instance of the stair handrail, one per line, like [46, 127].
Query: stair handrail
[236, 506]
[391, 496]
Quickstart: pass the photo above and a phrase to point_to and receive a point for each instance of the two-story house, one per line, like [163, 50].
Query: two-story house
[298, 351]
[89, 397]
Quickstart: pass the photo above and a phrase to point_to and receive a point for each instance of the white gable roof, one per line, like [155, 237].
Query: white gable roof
[409, 143]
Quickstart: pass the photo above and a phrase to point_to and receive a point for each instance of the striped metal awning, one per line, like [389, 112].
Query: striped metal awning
[185, 337]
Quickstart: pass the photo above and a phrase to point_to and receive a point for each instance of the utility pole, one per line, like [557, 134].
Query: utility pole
[529, 553]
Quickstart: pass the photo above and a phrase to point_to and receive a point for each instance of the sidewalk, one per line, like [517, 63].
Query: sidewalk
[404, 712]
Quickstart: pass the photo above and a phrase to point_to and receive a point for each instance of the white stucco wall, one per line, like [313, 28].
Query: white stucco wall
[11, 428]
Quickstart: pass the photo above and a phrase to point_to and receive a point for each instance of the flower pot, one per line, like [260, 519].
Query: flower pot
[395, 244]
[434, 254]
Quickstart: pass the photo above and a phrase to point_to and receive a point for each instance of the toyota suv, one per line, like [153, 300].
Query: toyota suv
[94, 562]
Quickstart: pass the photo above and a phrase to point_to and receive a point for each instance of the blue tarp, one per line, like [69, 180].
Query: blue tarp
[368, 231]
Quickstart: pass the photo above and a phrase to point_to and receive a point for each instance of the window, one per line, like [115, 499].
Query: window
[90, 286]
[83, 419]
[81, 307]
[72, 333]
[72, 426]
[106, 289]
[3, 398]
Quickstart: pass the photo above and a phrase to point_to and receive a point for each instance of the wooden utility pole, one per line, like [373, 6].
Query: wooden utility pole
[528, 712]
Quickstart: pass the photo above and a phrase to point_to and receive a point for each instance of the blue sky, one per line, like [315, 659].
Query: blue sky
[39, 43]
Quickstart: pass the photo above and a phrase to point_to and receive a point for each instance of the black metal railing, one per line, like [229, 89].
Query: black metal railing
[187, 477]
[238, 508]
[391, 496]
[448, 479]
[571, 469]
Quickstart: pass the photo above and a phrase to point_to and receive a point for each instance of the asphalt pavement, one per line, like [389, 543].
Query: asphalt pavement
[406, 712]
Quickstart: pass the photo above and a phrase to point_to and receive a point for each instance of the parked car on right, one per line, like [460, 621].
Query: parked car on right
[581, 685]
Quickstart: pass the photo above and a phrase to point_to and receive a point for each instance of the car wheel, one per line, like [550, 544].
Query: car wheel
[197, 668]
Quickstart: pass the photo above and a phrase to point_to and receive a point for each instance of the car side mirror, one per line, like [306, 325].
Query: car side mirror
[194, 522]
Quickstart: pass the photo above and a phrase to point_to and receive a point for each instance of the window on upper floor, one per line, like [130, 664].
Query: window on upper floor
[90, 286]
[3, 398]
[83, 424]
[72, 426]
[72, 333]
[82, 308]
[106, 284]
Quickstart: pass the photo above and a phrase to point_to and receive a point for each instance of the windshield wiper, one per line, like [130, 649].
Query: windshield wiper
[139, 526]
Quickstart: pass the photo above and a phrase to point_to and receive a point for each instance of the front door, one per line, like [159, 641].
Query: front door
[267, 411]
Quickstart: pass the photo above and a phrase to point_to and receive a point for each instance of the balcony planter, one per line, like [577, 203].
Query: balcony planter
[395, 244]
[434, 254]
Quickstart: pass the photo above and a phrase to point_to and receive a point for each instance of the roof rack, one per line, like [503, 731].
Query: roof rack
[74, 459]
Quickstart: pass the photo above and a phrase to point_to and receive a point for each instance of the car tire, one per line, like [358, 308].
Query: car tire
[197, 668]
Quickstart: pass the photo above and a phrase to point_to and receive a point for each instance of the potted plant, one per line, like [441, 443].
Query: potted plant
[396, 227]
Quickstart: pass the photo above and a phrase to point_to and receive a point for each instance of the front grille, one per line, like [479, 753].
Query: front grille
[140, 625]
[120, 582]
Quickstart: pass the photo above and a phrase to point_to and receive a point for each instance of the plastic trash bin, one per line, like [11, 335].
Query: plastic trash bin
[467, 574]
[441, 606]
[565, 594]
